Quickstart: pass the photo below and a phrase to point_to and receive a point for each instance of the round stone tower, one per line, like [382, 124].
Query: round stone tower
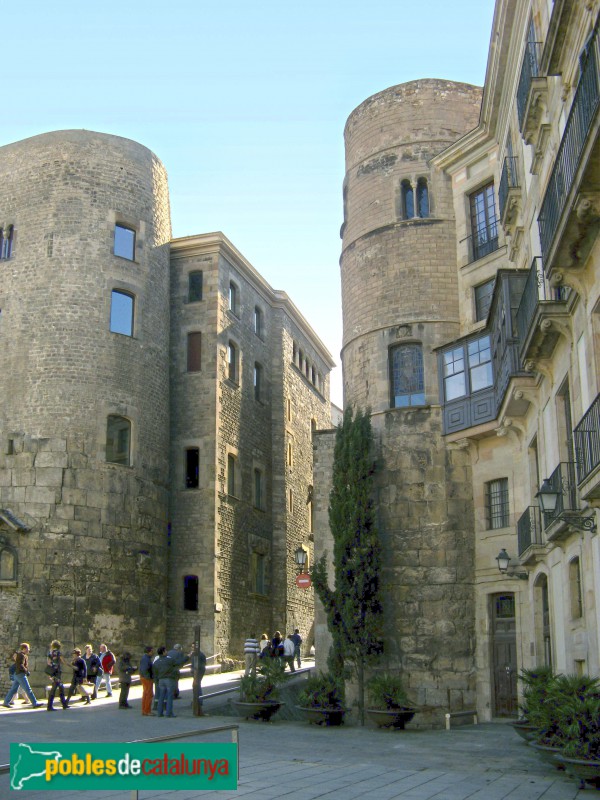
[84, 395]
[400, 302]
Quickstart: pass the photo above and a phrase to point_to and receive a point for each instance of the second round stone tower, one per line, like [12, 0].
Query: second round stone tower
[400, 302]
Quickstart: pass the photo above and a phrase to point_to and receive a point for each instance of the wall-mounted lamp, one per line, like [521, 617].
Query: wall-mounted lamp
[503, 560]
[547, 498]
[301, 557]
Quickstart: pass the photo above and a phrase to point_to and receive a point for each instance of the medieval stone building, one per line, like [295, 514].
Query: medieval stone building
[471, 286]
[157, 405]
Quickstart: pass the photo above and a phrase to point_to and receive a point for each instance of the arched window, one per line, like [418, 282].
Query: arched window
[190, 593]
[406, 376]
[8, 564]
[118, 440]
[234, 300]
[232, 362]
[258, 382]
[258, 322]
[422, 198]
[408, 200]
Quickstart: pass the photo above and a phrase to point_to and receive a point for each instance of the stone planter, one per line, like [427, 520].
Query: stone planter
[395, 718]
[551, 755]
[524, 729]
[588, 771]
[260, 710]
[324, 716]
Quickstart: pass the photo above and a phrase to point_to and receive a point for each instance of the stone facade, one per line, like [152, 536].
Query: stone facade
[105, 400]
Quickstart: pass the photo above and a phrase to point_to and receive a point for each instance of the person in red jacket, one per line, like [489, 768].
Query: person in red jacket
[107, 659]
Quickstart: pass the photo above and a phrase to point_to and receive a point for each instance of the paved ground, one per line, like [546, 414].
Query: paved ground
[281, 759]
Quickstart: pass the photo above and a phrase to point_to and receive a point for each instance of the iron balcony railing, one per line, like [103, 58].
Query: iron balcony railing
[508, 180]
[537, 289]
[529, 529]
[581, 116]
[586, 438]
[562, 481]
[530, 69]
[484, 241]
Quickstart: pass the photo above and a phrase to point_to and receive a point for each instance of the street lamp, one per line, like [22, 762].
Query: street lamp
[547, 498]
[503, 560]
[300, 557]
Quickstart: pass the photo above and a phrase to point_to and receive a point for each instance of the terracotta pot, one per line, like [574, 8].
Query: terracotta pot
[391, 717]
[261, 710]
[324, 716]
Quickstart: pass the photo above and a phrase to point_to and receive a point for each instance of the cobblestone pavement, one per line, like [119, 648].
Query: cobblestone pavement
[286, 758]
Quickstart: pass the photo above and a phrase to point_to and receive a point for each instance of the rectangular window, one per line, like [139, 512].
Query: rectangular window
[190, 593]
[454, 374]
[258, 489]
[192, 468]
[258, 321]
[194, 287]
[118, 440]
[483, 299]
[194, 351]
[232, 362]
[480, 363]
[258, 382]
[231, 477]
[121, 313]
[406, 368]
[233, 298]
[575, 588]
[124, 242]
[484, 224]
[257, 572]
[496, 504]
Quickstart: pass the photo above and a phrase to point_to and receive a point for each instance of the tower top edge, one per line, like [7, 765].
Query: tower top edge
[79, 136]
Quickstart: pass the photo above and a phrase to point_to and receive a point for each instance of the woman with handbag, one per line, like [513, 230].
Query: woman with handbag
[54, 670]
[94, 669]
[79, 676]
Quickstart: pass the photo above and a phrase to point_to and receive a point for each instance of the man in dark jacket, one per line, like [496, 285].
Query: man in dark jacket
[147, 679]
[179, 658]
[79, 677]
[164, 671]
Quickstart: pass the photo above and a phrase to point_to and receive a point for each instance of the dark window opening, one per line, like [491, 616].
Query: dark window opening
[190, 593]
[194, 351]
[192, 468]
[194, 287]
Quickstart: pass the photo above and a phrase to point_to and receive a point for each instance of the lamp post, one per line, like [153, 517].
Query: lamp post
[503, 561]
[300, 557]
[547, 498]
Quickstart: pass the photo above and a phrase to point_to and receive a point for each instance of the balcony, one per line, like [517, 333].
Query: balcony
[509, 191]
[532, 94]
[542, 310]
[586, 440]
[569, 215]
[529, 534]
[563, 481]
[483, 242]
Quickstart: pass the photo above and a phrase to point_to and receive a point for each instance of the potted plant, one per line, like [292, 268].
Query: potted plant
[579, 731]
[389, 703]
[259, 693]
[322, 699]
[535, 682]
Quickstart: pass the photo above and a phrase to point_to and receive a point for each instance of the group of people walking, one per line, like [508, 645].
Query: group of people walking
[287, 649]
[86, 672]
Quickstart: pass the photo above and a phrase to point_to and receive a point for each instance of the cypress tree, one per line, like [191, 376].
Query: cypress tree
[353, 607]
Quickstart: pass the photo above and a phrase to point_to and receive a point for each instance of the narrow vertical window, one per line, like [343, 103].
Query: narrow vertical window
[190, 593]
[234, 299]
[291, 501]
[258, 381]
[454, 374]
[480, 363]
[194, 286]
[406, 371]
[258, 489]
[408, 200]
[257, 572]
[232, 362]
[7, 242]
[258, 322]
[483, 299]
[231, 477]
[118, 440]
[8, 564]
[575, 588]
[290, 455]
[192, 468]
[124, 242]
[422, 198]
[194, 351]
[496, 504]
[484, 224]
[121, 313]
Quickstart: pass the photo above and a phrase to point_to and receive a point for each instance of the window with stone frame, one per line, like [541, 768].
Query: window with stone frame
[232, 476]
[124, 244]
[407, 200]
[232, 362]
[496, 504]
[259, 323]
[195, 286]
[406, 376]
[575, 588]
[118, 440]
[258, 382]
[234, 298]
[192, 468]
[422, 198]
[484, 222]
[257, 572]
[8, 564]
[122, 306]
[190, 592]
[483, 299]
[194, 351]
[259, 489]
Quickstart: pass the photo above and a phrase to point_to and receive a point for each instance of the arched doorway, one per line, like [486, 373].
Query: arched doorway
[504, 654]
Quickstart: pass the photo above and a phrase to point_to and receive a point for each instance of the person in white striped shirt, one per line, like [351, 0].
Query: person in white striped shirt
[251, 651]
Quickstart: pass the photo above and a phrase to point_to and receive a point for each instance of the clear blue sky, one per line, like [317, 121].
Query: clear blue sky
[245, 104]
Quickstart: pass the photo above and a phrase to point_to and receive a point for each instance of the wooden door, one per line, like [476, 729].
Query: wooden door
[504, 655]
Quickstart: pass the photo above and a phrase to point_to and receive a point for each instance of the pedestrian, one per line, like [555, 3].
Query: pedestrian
[288, 652]
[94, 669]
[147, 679]
[251, 651]
[164, 670]
[54, 669]
[107, 659]
[265, 646]
[297, 640]
[21, 676]
[12, 668]
[179, 658]
[276, 647]
[125, 669]
[198, 660]
[79, 677]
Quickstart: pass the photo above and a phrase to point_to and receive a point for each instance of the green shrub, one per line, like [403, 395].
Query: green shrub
[386, 690]
[322, 691]
[265, 685]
